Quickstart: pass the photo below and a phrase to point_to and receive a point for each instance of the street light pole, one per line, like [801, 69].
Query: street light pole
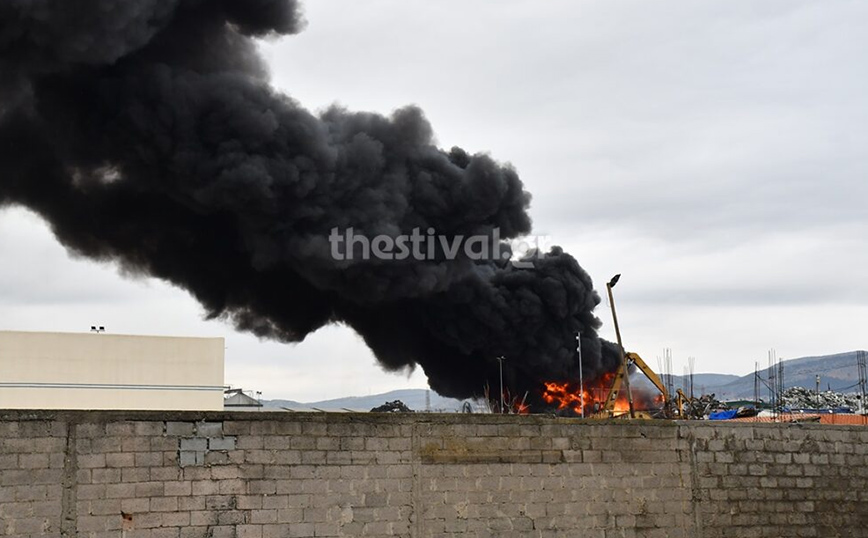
[500, 363]
[581, 374]
[818, 392]
[621, 353]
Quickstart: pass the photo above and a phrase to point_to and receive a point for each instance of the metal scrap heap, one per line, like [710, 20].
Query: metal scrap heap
[802, 398]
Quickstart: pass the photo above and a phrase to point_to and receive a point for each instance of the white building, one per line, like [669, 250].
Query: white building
[41, 370]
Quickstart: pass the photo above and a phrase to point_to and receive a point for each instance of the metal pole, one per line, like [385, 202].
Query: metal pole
[818, 392]
[581, 374]
[621, 353]
[500, 362]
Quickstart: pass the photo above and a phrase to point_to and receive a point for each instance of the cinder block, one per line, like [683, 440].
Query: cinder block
[120, 429]
[217, 458]
[191, 504]
[203, 517]
[277, 442]
[221, 443]
[135, 474]
[230, 517]
[194, 532]
[160, 444]
[91, 461]
[223, 473]
[194, 444]
[164, 504]
[191, 457]
[261, 517]
[179, 429]
[89, 430]
[135, 506]
[174, 519]
[205, 487]
[149, 489]
[249, 531]
[223, 531]
[209, 429]
[220, 502]
[117, 491]
[233, 486]
[251, 502]
[163, 474]
[148, 459]
[177, 488]
[106, 444]
[33, 461]
[303, 530]
[148, 428]
[84, 524]
[234, 427]
[120, 459]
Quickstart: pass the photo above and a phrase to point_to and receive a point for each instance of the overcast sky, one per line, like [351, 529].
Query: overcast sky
[713, 152]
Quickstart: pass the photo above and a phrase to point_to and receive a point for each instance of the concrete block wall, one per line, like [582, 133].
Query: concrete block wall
[270, 475]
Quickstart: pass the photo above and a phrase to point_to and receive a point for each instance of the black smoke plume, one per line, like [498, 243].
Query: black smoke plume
[146, 133]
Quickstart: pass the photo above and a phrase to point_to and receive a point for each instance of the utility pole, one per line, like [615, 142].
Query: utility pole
[621, 353]
[581, 374]
[818, 392]
[863, 377]
[500, 362]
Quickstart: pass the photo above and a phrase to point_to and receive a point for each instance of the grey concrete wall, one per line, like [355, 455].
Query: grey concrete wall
[269, 475]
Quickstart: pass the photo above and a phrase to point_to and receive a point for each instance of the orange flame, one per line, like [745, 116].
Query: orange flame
[568, 396]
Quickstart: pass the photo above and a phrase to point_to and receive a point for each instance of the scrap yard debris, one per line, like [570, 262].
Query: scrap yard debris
[802, 398]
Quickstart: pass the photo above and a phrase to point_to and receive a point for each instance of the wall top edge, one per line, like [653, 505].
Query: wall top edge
[98, 416]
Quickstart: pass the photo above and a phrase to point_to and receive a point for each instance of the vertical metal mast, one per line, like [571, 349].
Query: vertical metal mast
[621, 353]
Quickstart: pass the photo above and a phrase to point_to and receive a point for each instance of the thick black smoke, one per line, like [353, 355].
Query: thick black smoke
[146, 133]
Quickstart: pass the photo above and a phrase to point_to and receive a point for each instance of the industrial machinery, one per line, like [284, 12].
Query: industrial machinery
[608, 408]
[621, 374]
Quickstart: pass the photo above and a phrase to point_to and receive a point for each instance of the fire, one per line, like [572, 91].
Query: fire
[512, 405]
[564, 397]
[568, 396]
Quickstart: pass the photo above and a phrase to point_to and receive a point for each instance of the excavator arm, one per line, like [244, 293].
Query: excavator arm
[649, 373]
[617, 383]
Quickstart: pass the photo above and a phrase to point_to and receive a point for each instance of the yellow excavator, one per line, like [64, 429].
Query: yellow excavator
[621, 379]
[608, 408]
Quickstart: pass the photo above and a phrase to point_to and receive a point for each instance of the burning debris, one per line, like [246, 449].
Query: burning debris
[147, 135]
[568, 399]
[507, 404]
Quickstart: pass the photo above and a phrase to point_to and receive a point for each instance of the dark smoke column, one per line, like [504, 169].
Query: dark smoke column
[146, 133]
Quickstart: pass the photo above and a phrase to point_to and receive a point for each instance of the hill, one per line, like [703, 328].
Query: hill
[837, 372]
[413, 398]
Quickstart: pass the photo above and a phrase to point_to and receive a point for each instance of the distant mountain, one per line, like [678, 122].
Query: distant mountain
[702, 381]
[837, 372]
[413, 398]
[286, 404]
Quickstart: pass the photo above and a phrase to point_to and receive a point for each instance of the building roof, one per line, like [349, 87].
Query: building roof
[239, 399]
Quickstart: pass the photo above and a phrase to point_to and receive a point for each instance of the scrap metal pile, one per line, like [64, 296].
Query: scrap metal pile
[802, 398]
[699, 408]
[396, 406]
